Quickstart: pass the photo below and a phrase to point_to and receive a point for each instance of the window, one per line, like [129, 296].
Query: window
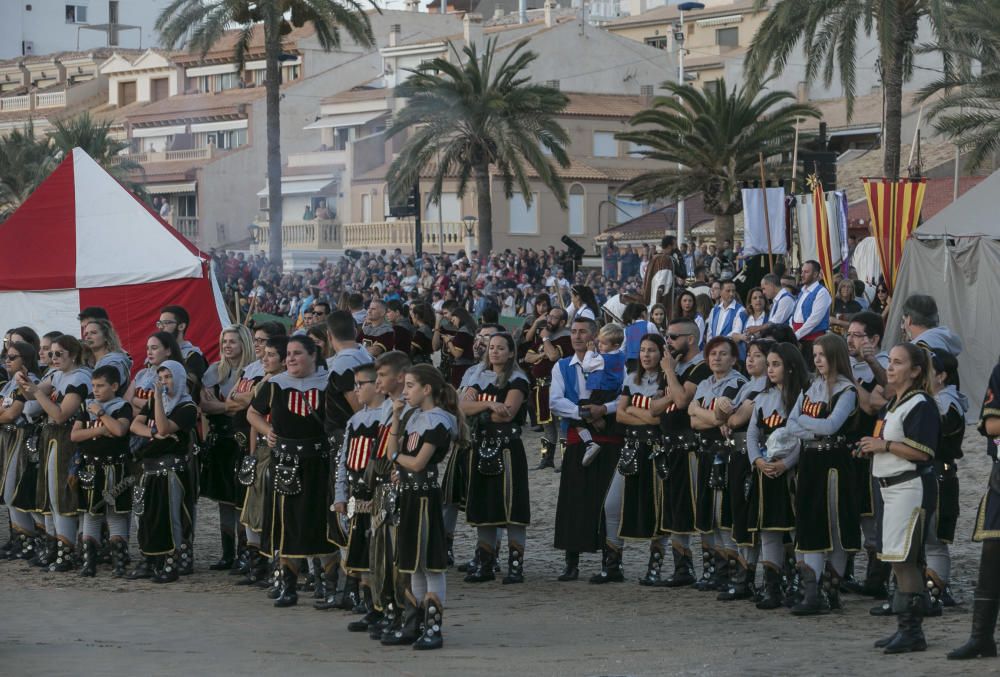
[451, 209]
[523, 218]
[605, 144]
[223, 140]
[727, 37]
[159, 89]
[659, 42]
[126, 93]
[366, 208]
[710, 86]
[187, 205]
[76, 14]
[577, 210]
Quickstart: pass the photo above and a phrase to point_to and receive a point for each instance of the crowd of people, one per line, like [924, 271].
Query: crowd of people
[781, 435]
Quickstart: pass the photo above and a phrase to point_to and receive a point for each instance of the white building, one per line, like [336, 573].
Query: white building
[49, 26]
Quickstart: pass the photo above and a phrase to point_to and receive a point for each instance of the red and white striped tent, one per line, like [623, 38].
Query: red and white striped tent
[81, 239]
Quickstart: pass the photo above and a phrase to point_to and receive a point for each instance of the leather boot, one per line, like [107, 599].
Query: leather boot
[813, 602]
[371, 617]
[791, 581]
[830, 586]
[612, 570]
[27, 548]
[984, 624]
[653, 566]
[64, 557]
[331, 577]
[256, 567]
[289, 588]
[548, 455]
[707, 571]
[484, 565]
[228, 552]
[408, 630]
[45, 550]
[876, 583]
[571, 570]
[15, 545]
[935, 589]
[88, 567]
[886, 608]
[515, 566]
[119, 557]
[740, 582]
[185, 558]
[771, 596]
[683, 575]
[168, 571]
[350, 596]
[450, 543]
[390, 615]
[241, 565]
[431, 637]
[143, 569]
[320, 585]
[910, 633]
[277, 582]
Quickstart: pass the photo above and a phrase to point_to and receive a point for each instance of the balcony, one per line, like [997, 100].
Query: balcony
[206, 153]
[13, 104]
[392, 234]
[318, 158]
[187, 226]
[50, 100]
[302, 235]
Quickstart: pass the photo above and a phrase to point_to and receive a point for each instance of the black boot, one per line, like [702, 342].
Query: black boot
[910, 633]
[64, 557]
[431, 637]
[515, 566]
[935, 589]
[653, 566]
[168, 571]
[16, 545]
[143, 569]
[813, 602]
[612, 570]
[350, 596]
[277, 582]
[771, 596]
[388, 623]
[88, 566]
[740, 582]
[408, 630]
[241, 565]
[371, 617]
[571, 570]
[228, 552]
[683, 575]
[984, 624]
[710, 571]
[848, 583]
[27, 548]
[484, 565]
[791, 582]
[886, 608]
[830, 585]
[289, 588]
[185, 558]
[45, 551]
[119, 557]
[320, 584]
[331, 577]
[256, 567]
[876, 583]
[548, 455]
[450, 543]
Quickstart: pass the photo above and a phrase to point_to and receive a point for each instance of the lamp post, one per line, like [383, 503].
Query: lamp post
[679, 37]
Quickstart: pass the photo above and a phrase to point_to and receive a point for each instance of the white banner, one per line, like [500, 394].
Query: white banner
[754, 224]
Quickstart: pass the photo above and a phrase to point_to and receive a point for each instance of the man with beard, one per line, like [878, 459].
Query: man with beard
[551, 343]
[579, 525]
[376, 333]
[175, 321]
[811, 316]
[395, 313]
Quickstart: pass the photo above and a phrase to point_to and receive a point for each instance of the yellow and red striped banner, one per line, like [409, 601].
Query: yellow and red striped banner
[894, 207]
[822, 225]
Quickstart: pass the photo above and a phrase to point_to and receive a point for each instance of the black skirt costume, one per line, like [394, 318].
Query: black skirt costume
[862, 464]
[252, 503]
[54, 440]
[104, 465]
[772, 499]
[823, 456]
[711, 491]
[383, 517]
[455, 483]
[420, 536]
[355, 488]
[679, 464]
[739, 473]
[988, 515]
[220, 453]
[541, 374]
[642, 495]
[26, 451]
[952, 406]
[163, 462]
[338, 411]
[498, 467]
[445, 328]
[300, 465]
[464, 339]
[12, 435]
[422, 345]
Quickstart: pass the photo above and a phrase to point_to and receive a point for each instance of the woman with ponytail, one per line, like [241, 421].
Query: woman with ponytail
[416, 446]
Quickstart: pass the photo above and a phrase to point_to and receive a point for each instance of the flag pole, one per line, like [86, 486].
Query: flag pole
[767, 217]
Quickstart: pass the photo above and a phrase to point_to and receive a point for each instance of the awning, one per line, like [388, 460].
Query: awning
[855, 131]
[165, 130]
[346, 120]
[221, 126]
[290, 187]
[170, 188]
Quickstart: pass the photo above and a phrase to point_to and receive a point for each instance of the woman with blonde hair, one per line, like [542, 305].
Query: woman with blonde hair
[102, 347]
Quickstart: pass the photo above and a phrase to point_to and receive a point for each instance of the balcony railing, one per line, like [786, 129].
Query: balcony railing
[392, 234]
[205, 153]
[15, 104]
[303, 235]
[12, 104]
[50, 100]
[187, 226]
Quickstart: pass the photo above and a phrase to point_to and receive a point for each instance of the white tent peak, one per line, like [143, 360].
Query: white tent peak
[973, 215]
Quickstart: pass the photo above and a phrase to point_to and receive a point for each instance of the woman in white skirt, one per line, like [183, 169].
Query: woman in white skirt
[903, 447]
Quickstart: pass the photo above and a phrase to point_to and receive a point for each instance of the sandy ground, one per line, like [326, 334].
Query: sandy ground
[62, 624]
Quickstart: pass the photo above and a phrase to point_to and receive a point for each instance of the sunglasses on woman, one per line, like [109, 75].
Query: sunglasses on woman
[11, 357]
[56, 353]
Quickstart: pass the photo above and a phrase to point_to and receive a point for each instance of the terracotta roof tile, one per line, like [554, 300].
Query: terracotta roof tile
[362, 93]
[224, 47]
[669, 13]
[603, 105]
[187, 106]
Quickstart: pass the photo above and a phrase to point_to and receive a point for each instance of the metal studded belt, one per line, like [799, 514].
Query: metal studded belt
[163, 465]
[826, 444]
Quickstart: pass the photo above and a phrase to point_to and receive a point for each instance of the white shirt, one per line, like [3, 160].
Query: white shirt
[563, 406]
[820, 308]
[782, 308]
[720, 312]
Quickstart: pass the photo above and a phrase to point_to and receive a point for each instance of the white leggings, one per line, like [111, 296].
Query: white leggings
[772, 548]
[22, 521]
[936, 551]
[424, 582]
[117, 526]
[65, 527]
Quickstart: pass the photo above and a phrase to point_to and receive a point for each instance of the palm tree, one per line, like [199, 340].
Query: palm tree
[717, 137]
[82, 131]
[828, 31]
[471, 113]
[25, 161]
[969, 110]
[201, 23]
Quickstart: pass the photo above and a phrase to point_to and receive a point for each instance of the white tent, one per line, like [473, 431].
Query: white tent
[955, 258]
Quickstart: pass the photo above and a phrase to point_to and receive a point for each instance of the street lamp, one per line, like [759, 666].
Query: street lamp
[679, 37]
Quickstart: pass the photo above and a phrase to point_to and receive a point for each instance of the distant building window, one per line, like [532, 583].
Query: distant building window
[710, 86]
[727, 37]
[577, 210]
[76, 14]
[605, 144]
[223, 140]
[523, 218]
[660, 42]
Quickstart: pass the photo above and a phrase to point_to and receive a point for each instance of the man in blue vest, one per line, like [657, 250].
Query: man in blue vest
[728, 317]
[579, 511]
[636, 326]
[811, 317]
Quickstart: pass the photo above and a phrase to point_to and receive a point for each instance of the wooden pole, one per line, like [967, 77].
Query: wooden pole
[767, 217]
[236, 298]
[253, 304]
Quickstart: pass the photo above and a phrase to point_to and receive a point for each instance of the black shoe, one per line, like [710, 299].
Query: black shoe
[289, 588]
[371, 617]
[88, 565]
[515, 567]
[241, 565]
[741, 579]
[390, 616]
[984, 624]
[910, 634]
[228, 552]
[547, 459]
[683, 575]
[143, 569]
[484, 565]
[331, 579]
[653, 566]
[408, 630]
[813, 601]
[770, 597]
[571, 571]
[431, 637]
[256, 568]
[612, 570]
[119, 557]
[64, 558]
[168, 571]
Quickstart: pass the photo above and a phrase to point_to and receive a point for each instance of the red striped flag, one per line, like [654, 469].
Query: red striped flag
[894, 207]
[821, 223]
